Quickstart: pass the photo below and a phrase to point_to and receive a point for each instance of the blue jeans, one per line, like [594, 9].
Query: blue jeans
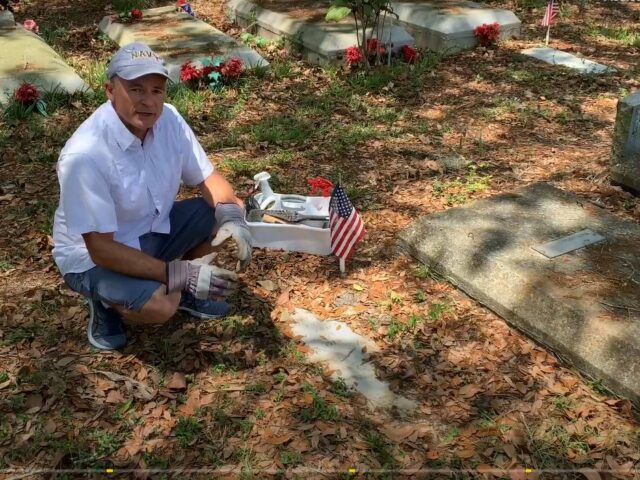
[192, 223]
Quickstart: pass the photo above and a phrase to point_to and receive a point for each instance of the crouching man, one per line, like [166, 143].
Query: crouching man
[120, 237]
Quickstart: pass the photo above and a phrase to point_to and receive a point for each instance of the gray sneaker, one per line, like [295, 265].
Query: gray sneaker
[203, 309]
[105, 331]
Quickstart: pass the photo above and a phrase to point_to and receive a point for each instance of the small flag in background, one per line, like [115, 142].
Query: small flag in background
[549, 13]
[346, 227]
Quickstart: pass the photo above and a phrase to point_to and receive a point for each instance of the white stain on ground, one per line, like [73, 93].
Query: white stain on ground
[335, 344]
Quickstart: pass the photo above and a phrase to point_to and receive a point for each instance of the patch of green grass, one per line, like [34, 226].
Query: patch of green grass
[340, 388]
[5, 265]
[280, 130]
[4, 376]
[260, 413]
[250, 166]
[350, 136]
[279, 377]
[598, 387]
[451, 434]
[106, 443]
[425, 271]
[319, 409]
[52, 35]
[457, 191]
[128, 5]
[187, 430]
[436, 310]
[282, 69]
[420, 296]
[291, 459]
[190, 103]
[291, 352]
[256, 388]
[625, 35]
[380, 449]
[561, 402]
[20, 333]
[395, 329]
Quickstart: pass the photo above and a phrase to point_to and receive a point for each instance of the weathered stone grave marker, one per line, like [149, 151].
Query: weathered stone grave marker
[584, 304]
[625, 161]
[25, 57]
[178, 37]
[320, 42]
[441, 25]
[558, 57]
[447, 26]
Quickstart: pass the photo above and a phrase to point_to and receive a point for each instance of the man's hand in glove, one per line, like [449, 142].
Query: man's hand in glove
[231, 222]
[202, 281]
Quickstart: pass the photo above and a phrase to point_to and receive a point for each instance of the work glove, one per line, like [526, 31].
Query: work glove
[230, 218]
[202, 281]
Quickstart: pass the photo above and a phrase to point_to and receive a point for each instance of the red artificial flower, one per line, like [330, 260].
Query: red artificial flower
[353, 55]
[374, 45]
[232, 68]
[26, 94]
[320, 184]
[487, 33]
[136, 14]
[409, 54]
[189, 71]
[31, 25]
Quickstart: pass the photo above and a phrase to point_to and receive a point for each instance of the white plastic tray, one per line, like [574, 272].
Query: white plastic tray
[308, 238]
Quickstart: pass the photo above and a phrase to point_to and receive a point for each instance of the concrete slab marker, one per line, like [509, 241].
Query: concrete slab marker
[584, 304]
[320, 42]
[558, 57]
[447, 26]
[25, 57]
[178, 37]
[341, 348]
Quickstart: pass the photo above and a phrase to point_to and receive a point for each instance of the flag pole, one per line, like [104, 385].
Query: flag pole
[343, 267]
[546, 40]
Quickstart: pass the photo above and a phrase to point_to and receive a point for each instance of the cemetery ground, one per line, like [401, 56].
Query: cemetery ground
[237, 394]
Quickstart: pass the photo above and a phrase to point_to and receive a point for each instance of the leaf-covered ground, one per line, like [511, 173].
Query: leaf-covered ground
[237, 395]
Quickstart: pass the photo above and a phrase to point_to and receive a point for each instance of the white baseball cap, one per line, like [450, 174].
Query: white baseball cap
[135, 60]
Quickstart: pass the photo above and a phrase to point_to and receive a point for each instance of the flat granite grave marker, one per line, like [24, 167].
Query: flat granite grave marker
[178, 37]
[25, 57]
[625, 157]
[584, 304]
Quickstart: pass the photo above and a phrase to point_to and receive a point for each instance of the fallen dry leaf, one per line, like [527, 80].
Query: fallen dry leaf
[177, 382]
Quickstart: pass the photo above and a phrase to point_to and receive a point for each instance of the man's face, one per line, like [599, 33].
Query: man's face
[138, 102]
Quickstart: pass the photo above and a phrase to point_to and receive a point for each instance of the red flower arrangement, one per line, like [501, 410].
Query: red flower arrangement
[188, 72]
[487, 33]
[409, 54]
[136, 14]
[31, 25]
[26, 94]
[375, 46]
[353, 55]
[232, 68]
[320, 184]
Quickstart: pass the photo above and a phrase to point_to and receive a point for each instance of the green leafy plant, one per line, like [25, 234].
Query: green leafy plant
[369, 17]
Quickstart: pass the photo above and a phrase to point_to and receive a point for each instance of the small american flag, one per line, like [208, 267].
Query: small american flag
[345, 226]
[549, 13]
